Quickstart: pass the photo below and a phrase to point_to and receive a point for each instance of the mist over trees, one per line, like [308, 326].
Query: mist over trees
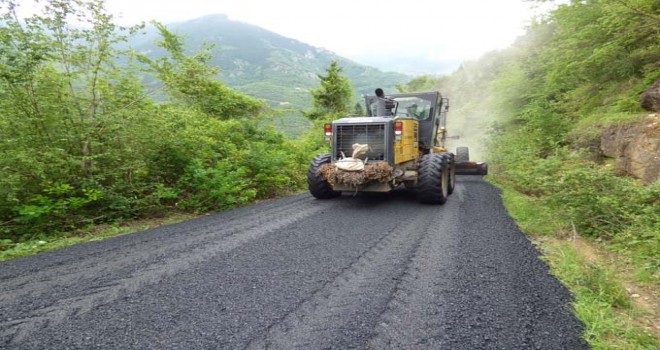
[539, 104]
[575, 72]
[537, 111]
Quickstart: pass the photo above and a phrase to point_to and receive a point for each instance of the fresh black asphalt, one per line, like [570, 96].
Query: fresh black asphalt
[371, 271]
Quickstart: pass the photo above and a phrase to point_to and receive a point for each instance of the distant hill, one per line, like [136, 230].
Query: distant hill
[267, 65]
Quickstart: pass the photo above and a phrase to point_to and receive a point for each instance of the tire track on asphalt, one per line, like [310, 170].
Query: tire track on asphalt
[370, 271]
[343, 310]
[134, 253]
[414, 318]
[60, 260]
[166, 262]
[514, 303]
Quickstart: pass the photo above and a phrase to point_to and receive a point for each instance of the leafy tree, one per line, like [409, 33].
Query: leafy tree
[81, 142]
[421, 83]
[333, 97]
[358, 109]
[191, 80]
[62, 105]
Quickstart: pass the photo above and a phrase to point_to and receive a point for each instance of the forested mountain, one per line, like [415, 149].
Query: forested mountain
[264, 64]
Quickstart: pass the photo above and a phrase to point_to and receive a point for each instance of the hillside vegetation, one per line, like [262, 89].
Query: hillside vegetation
[83, 143]
[540, 102]
[542, 106]
[280, 70]
[581, 69]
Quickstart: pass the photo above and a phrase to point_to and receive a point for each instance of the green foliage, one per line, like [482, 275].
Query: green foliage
[58, 112]
[333, 96]
[599, 203]
[596, 201]
[57, 208]
[597, 280]
[528, 211]
[419, 84]
[358, 109]
[222, 186]
[82, 143]
[577, 70]
[600, 300]
[191, 81]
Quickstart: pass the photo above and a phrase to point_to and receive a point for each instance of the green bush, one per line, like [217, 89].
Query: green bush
[81, 149]
[597, 202]
[59, 207]
[220, 187]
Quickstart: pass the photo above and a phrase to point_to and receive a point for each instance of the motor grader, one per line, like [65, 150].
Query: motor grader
[401, 142]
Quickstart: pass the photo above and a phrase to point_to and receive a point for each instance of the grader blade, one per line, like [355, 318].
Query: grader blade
[472, 168]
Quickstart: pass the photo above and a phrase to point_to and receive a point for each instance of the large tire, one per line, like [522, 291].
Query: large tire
[451, 163]
[433, 183]
[318, 187]
[462, 154]
[452, 173]
[484, 170]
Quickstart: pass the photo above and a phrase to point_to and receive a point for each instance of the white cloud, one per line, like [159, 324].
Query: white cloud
[448, 29]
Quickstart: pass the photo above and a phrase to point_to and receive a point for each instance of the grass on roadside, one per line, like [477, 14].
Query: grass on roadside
[603, 304]
[607, 119]
[612, 318]
[12, 250]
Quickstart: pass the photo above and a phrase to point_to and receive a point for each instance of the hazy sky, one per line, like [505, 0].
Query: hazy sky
[432, 30]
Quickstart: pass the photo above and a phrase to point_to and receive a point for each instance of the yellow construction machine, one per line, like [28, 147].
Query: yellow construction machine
[401, 142]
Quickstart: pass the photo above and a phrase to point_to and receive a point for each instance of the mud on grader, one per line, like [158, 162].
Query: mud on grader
[401, 141]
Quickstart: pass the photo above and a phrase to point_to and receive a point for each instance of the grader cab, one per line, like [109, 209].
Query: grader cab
[401, 142]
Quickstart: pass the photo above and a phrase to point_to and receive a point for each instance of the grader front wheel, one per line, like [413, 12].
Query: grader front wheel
[433, 185]
[318, 187]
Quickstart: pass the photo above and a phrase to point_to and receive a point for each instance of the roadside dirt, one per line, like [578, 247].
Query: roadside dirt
[645, 299]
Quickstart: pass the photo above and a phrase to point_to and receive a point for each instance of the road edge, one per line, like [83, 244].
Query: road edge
[612, 316]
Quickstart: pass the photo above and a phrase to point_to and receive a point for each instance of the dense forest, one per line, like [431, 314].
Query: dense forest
[83, 142]
[541, 104]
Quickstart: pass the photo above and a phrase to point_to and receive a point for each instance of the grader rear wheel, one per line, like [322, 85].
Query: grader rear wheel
[462, 154]
[452, 173]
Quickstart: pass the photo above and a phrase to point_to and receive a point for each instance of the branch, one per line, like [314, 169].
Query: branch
[627, 5]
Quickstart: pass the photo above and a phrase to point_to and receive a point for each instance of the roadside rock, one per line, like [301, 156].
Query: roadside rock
[636, 148]
[650, 99]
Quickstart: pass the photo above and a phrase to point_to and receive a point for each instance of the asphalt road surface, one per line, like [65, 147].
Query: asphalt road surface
[365, 271]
